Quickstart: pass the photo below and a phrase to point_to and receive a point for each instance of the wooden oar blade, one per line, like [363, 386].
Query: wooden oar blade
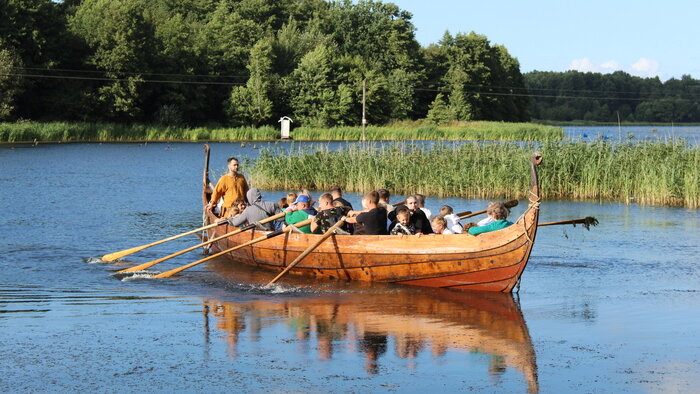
[589, 221]
[172, 272]
[126, 252]
[123, 253]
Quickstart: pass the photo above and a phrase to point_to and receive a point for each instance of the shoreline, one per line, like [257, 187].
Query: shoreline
[31, 132]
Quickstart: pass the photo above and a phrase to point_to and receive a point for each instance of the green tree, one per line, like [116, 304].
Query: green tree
[123, 41]
[251, 104]
[317, 97]
[10, 82]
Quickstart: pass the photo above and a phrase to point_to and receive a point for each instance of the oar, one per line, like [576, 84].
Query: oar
[308, 250]
[126, 252]
[587, 222]
[287, 229]
[463, 214]
[508, 204]
[143, 266]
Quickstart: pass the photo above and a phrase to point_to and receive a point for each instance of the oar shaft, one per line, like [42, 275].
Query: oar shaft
[586, 221]
[467, 214]
[289, 228]
[143, 266]
[126, 252]
[308, 250]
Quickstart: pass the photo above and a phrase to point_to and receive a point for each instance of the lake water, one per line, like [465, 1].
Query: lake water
[614, 309]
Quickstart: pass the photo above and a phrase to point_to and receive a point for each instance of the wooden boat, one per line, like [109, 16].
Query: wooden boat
[492, 261]
[440, 320]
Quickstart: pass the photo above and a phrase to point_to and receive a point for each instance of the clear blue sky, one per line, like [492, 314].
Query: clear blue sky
[644, 38]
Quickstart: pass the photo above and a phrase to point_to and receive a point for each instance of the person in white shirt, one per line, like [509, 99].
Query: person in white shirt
[439, 225]
[451, 218]
[420, 201]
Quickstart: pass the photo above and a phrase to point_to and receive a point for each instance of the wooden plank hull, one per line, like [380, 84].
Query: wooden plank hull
[492, 261]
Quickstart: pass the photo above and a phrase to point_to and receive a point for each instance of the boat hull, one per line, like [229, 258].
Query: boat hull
[491, 261]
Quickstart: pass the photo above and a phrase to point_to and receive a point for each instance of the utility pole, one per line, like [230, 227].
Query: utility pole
[364, 120]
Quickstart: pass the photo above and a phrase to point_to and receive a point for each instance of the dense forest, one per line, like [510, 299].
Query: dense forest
[249, 62]
[573, 95]
[244, 62]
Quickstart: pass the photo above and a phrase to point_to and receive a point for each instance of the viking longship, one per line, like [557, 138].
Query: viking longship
[491, 261]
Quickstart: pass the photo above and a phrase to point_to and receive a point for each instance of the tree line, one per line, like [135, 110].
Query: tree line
[244, 62]
[573, 95]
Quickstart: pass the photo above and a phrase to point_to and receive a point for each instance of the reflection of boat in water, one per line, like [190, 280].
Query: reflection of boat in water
[409, 323]
[492, 261]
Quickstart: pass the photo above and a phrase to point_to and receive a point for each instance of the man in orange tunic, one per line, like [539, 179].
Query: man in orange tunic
[231, 186]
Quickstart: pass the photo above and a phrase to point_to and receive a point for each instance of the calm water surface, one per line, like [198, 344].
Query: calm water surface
[614, 309]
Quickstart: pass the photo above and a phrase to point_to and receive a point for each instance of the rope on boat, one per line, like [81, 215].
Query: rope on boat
[533, 205]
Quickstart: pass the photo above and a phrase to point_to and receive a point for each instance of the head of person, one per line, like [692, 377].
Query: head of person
[403, 217]
[282, 203]
[336, 191]
[303, 201]
[240, 204]
[446, 210]
[325, 201]
[439, 224]
[234, 211]
[411, 202]
[370, 200]
[384, 195]
[291, 197]
[497, 211]
[338, 204]
[420, 200]
[232, 164]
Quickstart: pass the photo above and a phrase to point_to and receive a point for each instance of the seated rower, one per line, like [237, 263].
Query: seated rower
[329, 215]
[256, 211]
[451, 218]
[402, 224]
[439, 225]
[372, 219]
[384, 197]
[337, 194]
[299, 211]
[498, 212]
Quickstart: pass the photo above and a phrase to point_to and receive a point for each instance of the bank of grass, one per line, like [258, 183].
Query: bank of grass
[27, 131]
[644, 173]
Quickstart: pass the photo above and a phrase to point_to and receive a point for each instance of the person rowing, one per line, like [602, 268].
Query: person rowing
[329, 215]
[300, 211]
[372, 219]
[256, 211]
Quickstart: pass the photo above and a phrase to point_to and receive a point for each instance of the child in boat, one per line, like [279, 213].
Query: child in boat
[498, 212]
[451, 218]
[439, 225]
[291, 197]
[403, 224]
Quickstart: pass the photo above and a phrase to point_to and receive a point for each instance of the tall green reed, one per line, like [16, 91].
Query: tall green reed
[84, 131]
[645, 173]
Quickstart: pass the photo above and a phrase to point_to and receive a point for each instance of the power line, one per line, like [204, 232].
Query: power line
[128, 72]
[221, 83]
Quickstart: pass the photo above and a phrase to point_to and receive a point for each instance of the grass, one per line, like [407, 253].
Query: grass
[645, 173]
[27, 131]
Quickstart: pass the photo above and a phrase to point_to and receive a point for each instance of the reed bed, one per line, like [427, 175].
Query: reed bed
[645, 173]
[26, 131]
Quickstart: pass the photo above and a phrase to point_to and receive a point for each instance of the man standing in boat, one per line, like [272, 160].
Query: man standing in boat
[231, 186]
